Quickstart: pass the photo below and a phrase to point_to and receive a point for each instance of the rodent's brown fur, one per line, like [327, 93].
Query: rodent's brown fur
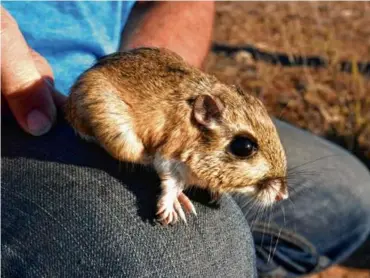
[154, 89]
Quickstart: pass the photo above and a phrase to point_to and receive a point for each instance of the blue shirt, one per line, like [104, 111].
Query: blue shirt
[71, 35]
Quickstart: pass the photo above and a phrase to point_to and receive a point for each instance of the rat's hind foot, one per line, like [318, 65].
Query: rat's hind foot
[169, 208]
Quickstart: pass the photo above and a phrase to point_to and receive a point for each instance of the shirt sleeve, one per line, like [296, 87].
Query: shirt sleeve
[71, 35]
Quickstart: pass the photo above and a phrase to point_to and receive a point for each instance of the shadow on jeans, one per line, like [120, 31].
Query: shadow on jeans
[62, 145]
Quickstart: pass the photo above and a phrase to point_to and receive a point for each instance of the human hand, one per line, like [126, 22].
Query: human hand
[27, 79]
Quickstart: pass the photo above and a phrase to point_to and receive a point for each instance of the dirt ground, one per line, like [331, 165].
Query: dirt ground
[335, 29]
[329, 101]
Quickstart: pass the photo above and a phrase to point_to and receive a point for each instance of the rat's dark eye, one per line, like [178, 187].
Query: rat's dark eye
[242, 146]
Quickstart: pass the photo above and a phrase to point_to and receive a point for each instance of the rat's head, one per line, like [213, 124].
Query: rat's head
[239, 148]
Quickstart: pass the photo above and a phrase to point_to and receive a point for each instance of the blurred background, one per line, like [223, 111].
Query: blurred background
[309, 62]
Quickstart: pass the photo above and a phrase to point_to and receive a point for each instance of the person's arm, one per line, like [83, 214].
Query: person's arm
[183, 27]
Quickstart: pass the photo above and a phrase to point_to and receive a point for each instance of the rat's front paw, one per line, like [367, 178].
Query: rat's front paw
[169, 208]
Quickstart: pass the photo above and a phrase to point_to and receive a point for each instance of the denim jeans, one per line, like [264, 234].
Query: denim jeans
[70, 210]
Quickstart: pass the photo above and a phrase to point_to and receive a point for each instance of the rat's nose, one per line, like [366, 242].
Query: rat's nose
[281, 195]
[278, 187]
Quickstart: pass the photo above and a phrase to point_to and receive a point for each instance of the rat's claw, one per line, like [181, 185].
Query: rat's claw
[169, 218]
[175, 218]
[170, 209]
[180, 211]
[166, 211]
[166, 216]
[185, 201]
[160, 210]
[163, 215]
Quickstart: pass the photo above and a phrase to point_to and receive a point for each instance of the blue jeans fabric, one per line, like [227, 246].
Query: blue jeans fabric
[69, 210]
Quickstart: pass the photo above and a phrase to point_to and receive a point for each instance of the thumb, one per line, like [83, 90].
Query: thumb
[28, 95]
[45, 70]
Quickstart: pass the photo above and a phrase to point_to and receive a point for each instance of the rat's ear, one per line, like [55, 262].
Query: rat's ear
[207, 110]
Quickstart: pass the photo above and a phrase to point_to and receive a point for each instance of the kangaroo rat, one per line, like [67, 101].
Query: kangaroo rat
[148, 106]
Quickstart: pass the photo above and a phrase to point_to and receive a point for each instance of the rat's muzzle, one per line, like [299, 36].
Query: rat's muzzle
[276, 187]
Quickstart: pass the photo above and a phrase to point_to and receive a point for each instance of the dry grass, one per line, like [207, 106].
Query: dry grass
[329, 29]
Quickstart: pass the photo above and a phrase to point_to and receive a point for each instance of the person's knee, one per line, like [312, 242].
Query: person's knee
[329, 204]
[337, 168]
[353, 186]
[61, 216]
[92, 226]
[325, 164]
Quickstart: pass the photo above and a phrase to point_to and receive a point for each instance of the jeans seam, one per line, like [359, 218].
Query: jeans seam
[285, 234]
[291, 237]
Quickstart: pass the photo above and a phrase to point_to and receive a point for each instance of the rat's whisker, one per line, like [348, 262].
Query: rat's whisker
[283, 210]
[292, 203]
[250, 209]
[308, 172]
[246, 203]
[276, 244]
[269, 223]
[315, 160]
[263, 235]
[299, 173]
[258, 212]
[308, 188]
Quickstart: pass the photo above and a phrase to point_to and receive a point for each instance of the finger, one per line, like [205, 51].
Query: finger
[41, 64]
[45, 70]
[28, 96]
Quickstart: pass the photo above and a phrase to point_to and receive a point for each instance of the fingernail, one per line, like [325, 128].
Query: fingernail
[38, 124]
